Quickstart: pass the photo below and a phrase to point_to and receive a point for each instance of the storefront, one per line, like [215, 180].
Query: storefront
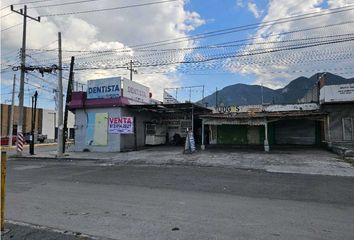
[116, 115]
[299, 124]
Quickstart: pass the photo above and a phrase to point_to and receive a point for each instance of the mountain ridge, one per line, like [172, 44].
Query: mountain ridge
[244, 94]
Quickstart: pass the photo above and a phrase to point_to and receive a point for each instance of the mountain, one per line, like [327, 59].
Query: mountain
[243, 94]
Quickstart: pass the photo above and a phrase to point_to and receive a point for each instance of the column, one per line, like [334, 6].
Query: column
[203, 146]
[266, 143]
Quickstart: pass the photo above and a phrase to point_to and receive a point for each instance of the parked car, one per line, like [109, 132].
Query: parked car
[40, 137]
[5, 140]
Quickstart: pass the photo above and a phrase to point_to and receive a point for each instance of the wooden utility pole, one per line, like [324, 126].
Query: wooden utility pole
[68, 99]
[12, 110]
[131, 69]
[22, 77]
[60, 100]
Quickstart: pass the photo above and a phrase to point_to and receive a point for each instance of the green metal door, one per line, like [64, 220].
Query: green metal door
[232, 134]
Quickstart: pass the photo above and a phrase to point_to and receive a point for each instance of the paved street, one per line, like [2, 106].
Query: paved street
[175, 202]
[286, 159]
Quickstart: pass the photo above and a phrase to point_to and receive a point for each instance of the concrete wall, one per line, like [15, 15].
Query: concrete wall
[50, 122]
[27, 121]
[127, 140]
[48, 127]
[81, 127]
[115, 142]
[334, 126]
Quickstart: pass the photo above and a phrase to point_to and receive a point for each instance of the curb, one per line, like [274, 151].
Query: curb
[27, 145]
[62, 232]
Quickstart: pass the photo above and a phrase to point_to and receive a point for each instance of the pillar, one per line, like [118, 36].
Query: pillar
[266, 143]
[203, 145]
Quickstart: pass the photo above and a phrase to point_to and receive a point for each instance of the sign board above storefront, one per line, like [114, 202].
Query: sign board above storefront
[121, 125]
[266, 108]
[337, 93]
[104, 88]
[136, 92]
[227, 109]
[168, 98]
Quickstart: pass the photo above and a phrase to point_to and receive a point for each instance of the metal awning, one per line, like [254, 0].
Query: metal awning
[172, 108]
[259, 118]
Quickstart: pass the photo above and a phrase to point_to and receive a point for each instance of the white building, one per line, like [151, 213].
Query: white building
[50, 124]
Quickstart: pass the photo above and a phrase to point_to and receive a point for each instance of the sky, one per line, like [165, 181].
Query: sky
[233, 54]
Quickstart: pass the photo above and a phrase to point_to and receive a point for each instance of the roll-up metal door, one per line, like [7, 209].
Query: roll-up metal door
[301, 131]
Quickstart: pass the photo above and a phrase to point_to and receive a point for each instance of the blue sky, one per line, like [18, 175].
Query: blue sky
[117, 29]
[221, 15]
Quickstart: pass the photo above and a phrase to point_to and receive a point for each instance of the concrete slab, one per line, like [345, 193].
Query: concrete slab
[302, 160]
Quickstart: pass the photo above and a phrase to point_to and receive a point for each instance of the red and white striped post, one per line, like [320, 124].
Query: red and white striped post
[20, 142]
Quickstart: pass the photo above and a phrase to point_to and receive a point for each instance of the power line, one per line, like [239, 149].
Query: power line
[16, 25]
[114, 51]
[264, 51]
[108, 9]
[205, 55]
[6, 15]
[240, 28]
[254, 25]
[63, 4]
[21, 3]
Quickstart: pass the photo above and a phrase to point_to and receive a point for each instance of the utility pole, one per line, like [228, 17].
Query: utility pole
[131, 69]
[68, 99]
[34, 113]
[22, 76]
[216, 97]
[12, 110]
[262, 93]
[60, 100]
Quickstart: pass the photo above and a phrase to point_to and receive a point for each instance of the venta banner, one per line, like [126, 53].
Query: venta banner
[122, 125]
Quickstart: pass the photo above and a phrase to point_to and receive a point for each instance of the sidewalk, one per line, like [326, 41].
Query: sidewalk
[19, 231]
[13, 147]
[286, 160]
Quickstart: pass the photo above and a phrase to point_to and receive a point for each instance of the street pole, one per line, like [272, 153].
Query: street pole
[22, 82]
[68, 100]
[3, 186]
[34, 112]
[131, 70]
[12, 110]
[60, 100]
[262, 93]
[22, 76]
[203, 97]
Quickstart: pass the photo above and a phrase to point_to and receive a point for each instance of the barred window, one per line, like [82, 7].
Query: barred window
[347, 129]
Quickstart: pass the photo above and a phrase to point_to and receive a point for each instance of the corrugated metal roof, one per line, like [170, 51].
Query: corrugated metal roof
[247, 115]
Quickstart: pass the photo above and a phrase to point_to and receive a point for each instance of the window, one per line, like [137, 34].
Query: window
[347, 129]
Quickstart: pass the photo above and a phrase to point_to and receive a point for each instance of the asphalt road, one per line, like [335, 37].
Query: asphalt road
[142, 202]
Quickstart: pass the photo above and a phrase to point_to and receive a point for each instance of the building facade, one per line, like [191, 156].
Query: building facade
[46, 122]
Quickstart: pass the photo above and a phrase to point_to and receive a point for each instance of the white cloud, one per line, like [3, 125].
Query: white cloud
[103, 31]
[239, 3]
[276, 69]
[252, 7]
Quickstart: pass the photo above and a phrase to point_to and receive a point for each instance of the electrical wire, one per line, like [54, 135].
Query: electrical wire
[264, 51]
[15, 4]
[6, 15]
[63, 4]
[114, 51]
[16, 25]
[108, 9]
